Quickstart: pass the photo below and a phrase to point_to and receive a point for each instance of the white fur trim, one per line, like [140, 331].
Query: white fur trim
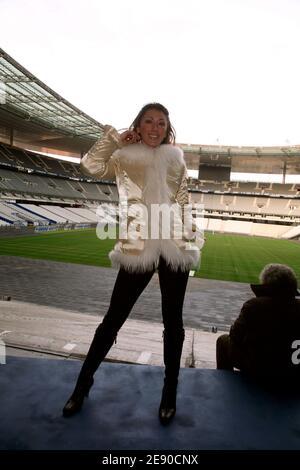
[156, 161]
[149, 258]
[140, 153]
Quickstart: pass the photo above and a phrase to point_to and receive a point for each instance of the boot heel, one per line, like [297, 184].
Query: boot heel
[75, 402]
[166, 415]
[167, 408]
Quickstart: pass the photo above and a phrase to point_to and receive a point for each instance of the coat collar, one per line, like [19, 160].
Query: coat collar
[263, 290]
[141, 153]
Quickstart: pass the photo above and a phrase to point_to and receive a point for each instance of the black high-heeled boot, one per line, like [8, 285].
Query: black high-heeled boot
[75, 402]
[173, 342]
[167, 408]
[103, 339]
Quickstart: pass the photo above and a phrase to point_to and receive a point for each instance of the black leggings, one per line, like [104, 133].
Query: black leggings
[129, 286]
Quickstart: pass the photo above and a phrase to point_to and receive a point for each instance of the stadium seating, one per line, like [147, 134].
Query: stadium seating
[37, 190]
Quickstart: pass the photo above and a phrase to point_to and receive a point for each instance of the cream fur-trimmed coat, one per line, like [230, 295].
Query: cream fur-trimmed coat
[145, 176]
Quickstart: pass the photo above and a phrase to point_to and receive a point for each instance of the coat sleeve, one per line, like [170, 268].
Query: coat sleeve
[97, 161]
[193, 226]
[182, 195]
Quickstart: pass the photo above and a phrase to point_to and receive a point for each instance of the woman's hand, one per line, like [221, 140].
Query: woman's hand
[129, 137]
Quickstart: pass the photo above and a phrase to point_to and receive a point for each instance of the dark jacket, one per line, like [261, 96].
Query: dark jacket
[263, 334]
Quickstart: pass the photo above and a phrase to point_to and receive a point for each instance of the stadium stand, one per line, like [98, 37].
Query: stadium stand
[39, 179]
[36, 195]
[36, 189]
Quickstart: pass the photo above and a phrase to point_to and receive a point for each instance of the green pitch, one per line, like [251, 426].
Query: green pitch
[225, 257]
[241, 258]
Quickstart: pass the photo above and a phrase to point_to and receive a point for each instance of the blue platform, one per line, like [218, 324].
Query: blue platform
[215, 410]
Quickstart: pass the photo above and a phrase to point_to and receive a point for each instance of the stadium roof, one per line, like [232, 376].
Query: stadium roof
[230, 151]
[276, 160]
[34, 116]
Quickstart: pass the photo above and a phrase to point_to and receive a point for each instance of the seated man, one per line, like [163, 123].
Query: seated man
[264, 341]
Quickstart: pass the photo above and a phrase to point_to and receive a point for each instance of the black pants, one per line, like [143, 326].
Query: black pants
[128, 287]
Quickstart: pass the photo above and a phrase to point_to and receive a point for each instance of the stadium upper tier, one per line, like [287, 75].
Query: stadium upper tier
[32, 163]
[26, 176]
[26, 160]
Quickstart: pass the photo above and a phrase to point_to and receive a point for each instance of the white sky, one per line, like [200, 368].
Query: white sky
[227, 70]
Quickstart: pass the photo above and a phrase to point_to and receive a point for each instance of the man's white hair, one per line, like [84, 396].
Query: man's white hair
[278, 275]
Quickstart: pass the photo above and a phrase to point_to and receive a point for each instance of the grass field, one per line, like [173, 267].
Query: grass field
[224, 257]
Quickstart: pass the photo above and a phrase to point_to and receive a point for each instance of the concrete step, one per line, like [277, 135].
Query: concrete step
[40, 329]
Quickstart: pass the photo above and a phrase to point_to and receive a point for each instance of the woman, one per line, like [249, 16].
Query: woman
[150, 173]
